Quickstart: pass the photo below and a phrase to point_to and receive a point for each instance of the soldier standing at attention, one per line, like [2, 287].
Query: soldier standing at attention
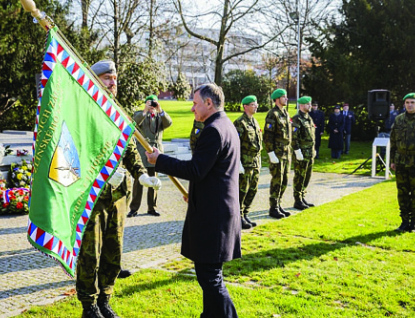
[319, 121]
[250, 137]
[403, 162]
[303, 140]
[99, 260]
[277, 141]
[152, 121]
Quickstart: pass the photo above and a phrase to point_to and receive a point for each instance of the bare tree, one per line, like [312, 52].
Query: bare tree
[234, 28]
[311, 15]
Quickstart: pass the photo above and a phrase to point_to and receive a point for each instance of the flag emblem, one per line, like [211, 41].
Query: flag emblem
[65, 167]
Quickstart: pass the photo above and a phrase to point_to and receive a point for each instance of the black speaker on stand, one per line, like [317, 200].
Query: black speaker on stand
[378, 102]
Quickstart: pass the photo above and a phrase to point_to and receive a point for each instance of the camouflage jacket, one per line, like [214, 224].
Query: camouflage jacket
[303, 135]
[250, 137]
[277, 132]
[402, 140]
[195, 133]
[132, 162]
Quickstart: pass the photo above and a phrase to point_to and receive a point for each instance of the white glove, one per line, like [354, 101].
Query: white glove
[117, 177]
[152, 182]
[241, 168]
[272, 157]
[299, 155]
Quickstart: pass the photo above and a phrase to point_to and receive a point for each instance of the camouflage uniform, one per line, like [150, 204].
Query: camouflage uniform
[303, 137]
[99, 260]
[403, 156]
[277, 138]
[250, 137]
[195, 133]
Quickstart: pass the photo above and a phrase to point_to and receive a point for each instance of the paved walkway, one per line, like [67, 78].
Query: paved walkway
[28, 278]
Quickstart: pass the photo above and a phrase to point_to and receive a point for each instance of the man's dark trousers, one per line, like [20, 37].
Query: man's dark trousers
[216, 300]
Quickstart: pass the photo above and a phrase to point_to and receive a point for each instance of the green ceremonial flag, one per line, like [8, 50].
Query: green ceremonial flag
[79, 140]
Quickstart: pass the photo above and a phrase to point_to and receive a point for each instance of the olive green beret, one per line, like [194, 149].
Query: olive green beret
[278, 93]
[249, 99]
[152, 97]
[103, 67]
[410, 95]
[304, 100]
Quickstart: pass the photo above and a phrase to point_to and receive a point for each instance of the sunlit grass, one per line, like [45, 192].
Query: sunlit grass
[341, 259]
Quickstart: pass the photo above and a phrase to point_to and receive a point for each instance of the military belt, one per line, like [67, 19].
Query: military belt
[283, 142]
[306, 143]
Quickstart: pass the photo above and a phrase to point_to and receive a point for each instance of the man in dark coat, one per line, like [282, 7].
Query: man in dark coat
[336, 128]
[212, 229]
[349, 120]
[318, 119]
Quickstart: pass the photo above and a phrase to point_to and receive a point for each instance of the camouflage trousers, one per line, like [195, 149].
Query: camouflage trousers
[302, 175]
[405, 183]
[248, 187]
[279, 181]
[99, 260]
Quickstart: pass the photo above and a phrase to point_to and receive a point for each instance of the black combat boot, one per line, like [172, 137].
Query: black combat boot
[306, 203]
[91, 311]
[274, 212]
[124, 273]
[286, 213]
[299, 205]
[405, 226]
[245, 224]
[247, 219]
[105, 308]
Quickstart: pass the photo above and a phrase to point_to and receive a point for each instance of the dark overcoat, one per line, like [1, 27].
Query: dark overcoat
[212, 229]
[349, 120]
[318, 119]
[336, 139]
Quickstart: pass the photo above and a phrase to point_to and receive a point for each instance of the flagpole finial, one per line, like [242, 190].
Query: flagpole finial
[41, 17]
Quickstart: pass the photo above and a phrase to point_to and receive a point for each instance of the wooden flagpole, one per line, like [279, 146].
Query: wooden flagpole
[46, 22]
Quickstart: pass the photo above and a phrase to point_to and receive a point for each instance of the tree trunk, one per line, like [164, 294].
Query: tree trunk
[85, 9]
[151, 30]
[116, 35]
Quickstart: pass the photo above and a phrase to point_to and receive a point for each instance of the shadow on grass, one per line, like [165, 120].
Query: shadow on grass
[280, 257]
[132, 288]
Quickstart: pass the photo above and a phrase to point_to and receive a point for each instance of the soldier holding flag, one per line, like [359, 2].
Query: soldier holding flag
[99, 260]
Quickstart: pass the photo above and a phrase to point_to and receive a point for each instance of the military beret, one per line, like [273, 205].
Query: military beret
[249, 99]
[304, 100]
[410, 95]
[152, 97]
[278, 93]
[103, 67]
[337, 107]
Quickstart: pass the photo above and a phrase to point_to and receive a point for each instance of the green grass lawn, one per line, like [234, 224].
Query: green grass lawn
[341, 259]
[360, 151]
